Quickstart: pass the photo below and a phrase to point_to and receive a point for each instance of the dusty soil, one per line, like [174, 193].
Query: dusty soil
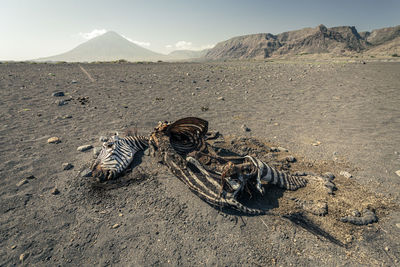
[331, 116]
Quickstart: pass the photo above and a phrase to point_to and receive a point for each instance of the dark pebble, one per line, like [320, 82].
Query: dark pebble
[57, 94]
[55, 191]
[290, 159]
[328, 175]
[67, 166]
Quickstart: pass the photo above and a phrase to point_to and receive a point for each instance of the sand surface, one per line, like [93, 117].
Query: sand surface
[331, 116]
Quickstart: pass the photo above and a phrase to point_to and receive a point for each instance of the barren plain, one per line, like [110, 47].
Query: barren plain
[332, 116]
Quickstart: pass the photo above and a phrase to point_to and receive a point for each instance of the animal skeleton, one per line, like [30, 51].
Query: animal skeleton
[182, 147]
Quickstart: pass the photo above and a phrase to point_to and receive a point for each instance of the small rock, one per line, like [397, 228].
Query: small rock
[282, 149]
[96, 151]
[103, 139]
[356, 213]
[329, 175]
[398, 172]
[84, 148]
[245, 128]
[386, 248]
[61, 103]
[290, 159]
[67, 166]
[221, 98]
[290, 79]
[22, 182]
[115, 226]
[53, 140]
[193, 94]
[67, 117]
[276, 124]
[55, 191]
[346, 174]
[13, 246]
[23, 256]
[74, 81]
[194, 81]
[30, 177]
[86, 173]
[398, 225]
[316, 143]
[57, 94]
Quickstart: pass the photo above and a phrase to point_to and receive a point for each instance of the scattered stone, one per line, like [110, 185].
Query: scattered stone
[194, 81]
[346, 174]
[356, 213]
[67, 166]
[84, 148]
[13, 246]
[23, 256]
[61, 103]
[67, 117]
[290, 79]
[55, 191]
[398, 225]
[276, 124]
[193, 94]
[96, 151]
[74, 81]
[115, 226]
[22, 182]
[245, 128]
[204, 108]
[53, 140]
[57, 94]
[398, 172]
[316, 143]
[221, 98]
[367, 217]
[282, 149]
[86, 173]
[330, 176]
[290, 159]
[30, 177]
[103, 139]
[330, 187]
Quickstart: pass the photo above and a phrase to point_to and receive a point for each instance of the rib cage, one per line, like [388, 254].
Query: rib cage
[187, 134]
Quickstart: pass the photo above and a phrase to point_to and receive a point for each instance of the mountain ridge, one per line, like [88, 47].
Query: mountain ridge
[340, 40]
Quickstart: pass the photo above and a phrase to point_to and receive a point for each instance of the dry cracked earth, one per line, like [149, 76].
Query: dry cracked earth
[329, 116]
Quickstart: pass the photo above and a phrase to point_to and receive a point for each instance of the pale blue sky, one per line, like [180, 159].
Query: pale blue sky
[37, 28]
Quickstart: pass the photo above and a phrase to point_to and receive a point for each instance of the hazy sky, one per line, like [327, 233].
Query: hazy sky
[37, 28]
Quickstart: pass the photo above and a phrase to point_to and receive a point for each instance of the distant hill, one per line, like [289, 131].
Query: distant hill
[107, 47]
[187, 54]
[341, 40]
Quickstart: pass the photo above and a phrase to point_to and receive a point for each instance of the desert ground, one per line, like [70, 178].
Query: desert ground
[331, 116]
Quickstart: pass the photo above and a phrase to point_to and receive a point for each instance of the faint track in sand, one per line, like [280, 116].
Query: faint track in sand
[86, 73]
